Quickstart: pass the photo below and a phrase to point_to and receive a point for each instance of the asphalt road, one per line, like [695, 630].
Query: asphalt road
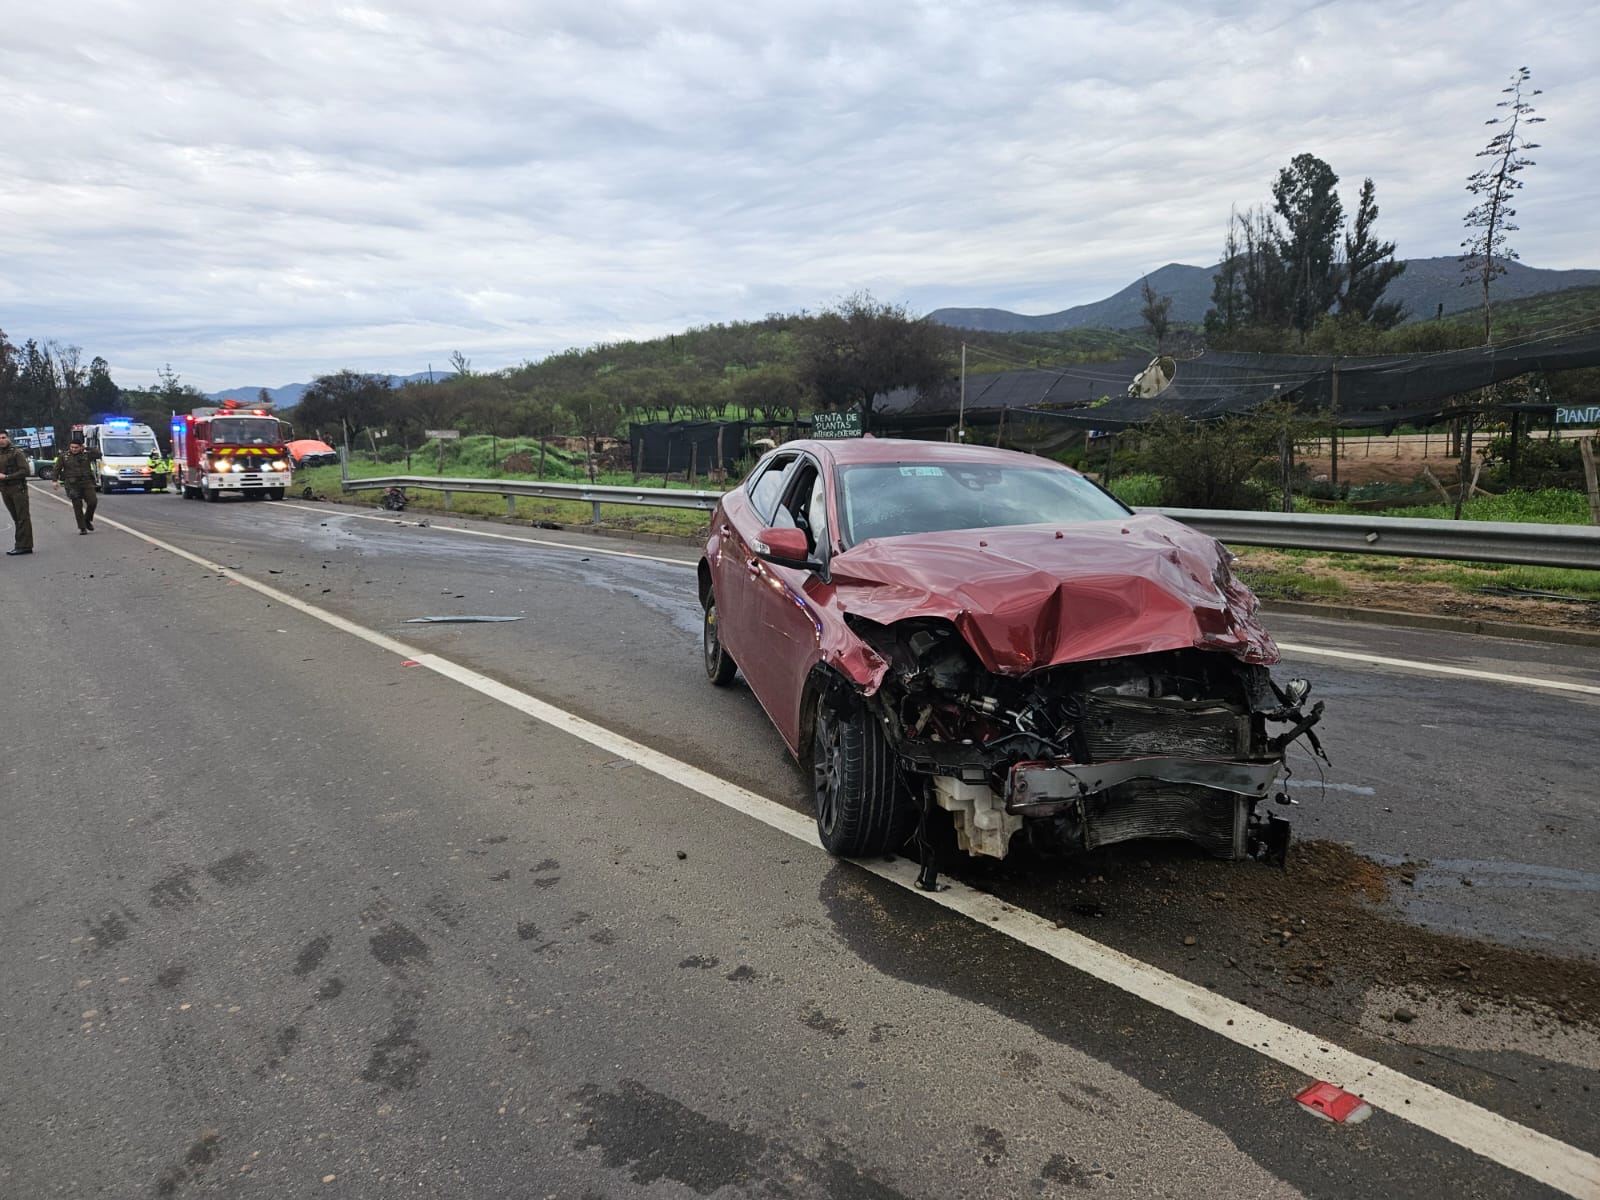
[285, 916]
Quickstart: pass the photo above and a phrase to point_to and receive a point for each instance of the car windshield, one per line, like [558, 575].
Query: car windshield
[126, 447]
[892, 499]
[245, 431]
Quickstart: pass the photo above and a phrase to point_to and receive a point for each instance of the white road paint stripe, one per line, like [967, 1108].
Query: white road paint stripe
[1528, 1152]
[1407, 664]
[1404, 664]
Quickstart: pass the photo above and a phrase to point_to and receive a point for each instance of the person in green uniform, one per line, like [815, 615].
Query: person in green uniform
[14, 491]
[75, 472]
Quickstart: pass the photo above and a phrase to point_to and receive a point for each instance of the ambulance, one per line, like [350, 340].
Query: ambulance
[125, 448]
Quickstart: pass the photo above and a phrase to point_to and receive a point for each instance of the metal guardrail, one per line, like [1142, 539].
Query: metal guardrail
[596, 494]
[1414, 537]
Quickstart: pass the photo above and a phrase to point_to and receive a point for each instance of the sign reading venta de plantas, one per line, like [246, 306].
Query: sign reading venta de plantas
[846, 424]
[1588, 414]
[443, 435]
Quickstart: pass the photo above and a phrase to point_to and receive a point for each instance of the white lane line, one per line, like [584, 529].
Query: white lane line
[488, 533]
[1526, 1151]
[1407, 664]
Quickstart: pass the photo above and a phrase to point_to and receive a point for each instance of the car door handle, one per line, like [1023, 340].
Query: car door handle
[753, 565]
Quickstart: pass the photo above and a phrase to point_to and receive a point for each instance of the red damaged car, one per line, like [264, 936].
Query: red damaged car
[988, 633]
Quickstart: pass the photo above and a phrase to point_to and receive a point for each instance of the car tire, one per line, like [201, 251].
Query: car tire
[276, 493]
[212, 495]
[862, 806]
[720, 667]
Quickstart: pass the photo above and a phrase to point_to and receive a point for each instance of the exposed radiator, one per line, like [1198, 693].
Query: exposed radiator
[1117, 727]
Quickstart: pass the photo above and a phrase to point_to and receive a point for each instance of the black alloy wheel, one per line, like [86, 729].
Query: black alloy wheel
[720, 667]
[862, 806]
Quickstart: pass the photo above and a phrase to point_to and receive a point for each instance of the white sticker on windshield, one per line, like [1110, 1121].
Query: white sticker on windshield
[922, 470]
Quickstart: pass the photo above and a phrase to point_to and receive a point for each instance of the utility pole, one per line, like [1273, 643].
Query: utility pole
[961, 413]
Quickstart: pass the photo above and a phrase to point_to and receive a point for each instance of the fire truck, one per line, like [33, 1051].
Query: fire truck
[229, 448]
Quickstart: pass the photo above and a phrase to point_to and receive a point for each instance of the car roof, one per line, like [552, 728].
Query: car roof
[853, 451]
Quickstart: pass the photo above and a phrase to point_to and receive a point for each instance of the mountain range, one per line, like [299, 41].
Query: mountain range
[289, 394]
[1430, 286]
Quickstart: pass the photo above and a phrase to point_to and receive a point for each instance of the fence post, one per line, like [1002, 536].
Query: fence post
[1590, 480]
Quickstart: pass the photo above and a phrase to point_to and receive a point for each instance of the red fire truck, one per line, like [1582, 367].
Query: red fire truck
[229, 448]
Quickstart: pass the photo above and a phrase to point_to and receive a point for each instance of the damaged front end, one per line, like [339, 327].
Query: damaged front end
[1183, 743]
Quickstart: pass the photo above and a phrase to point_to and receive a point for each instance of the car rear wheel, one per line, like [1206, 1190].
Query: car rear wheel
[862, 808]
[720, 667]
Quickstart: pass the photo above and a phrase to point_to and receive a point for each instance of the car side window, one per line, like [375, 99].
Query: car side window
[768, 486]
[805, 506]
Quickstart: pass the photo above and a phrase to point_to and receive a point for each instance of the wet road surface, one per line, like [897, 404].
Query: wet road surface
[280, 908]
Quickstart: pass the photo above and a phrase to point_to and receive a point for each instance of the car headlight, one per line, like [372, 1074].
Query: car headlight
[222, 465]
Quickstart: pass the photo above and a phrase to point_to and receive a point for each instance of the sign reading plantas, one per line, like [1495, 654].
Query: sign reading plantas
[1588, 414]
[846, 424]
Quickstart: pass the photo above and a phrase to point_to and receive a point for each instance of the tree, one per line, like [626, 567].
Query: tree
[1485, 251]
[1155, 311]
[1249, 300]
[100, 393]
[69, 380]
[10, 368]
[862, 349]
[1369, 268]
[348, 401]
[1308, 247]
[36, 385]
[1227, 299]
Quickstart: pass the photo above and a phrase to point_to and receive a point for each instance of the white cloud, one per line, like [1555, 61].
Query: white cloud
[261, 193]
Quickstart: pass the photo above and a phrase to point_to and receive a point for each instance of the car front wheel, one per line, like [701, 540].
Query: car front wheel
[720, 667]
[862, 808]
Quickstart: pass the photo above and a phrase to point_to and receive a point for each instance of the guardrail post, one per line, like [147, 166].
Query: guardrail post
[511, 505]
[596, 506]
[447, 499]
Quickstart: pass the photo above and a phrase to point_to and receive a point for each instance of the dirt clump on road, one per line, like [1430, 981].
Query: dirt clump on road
[1316, 931]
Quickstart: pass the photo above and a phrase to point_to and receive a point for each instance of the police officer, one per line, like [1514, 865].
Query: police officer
[14, 491]
[75, 471]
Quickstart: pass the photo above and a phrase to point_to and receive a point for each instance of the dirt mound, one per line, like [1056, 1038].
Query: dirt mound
[1322, 922]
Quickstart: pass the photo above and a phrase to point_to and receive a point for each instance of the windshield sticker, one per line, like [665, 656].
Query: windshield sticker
[922, 470]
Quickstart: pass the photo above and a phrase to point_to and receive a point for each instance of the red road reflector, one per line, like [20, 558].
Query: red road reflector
[1334, 1104]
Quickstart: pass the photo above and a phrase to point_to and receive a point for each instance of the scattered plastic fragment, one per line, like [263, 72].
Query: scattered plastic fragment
[459, 620]
[1333, 1103]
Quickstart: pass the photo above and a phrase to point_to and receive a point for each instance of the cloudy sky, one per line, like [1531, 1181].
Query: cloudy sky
[257, 193]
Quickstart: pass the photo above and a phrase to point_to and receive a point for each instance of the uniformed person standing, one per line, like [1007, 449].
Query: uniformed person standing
[75, 472]
[14, 491]
[160, 469]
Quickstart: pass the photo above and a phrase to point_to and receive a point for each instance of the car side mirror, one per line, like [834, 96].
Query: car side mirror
[785, 548]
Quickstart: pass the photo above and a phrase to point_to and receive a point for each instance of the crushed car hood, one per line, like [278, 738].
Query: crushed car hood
[1032, 596]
